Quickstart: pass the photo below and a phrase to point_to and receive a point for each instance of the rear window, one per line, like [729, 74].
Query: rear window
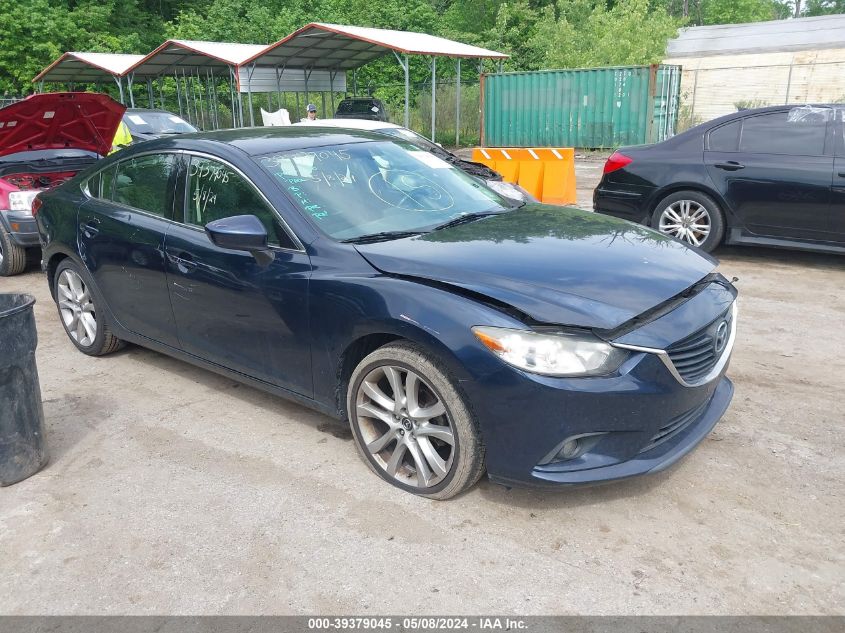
[359, 106]
[724, 138]
[784, 133]
[144, 183]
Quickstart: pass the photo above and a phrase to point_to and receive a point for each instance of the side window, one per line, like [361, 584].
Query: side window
[724, 138]
[780, 133]
[106, 186]
[215, 191]
[92, 187]
[145, 183]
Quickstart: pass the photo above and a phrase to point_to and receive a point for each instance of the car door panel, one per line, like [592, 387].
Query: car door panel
[837, 190]
[123, 249]
[773, 192]
[228, 308]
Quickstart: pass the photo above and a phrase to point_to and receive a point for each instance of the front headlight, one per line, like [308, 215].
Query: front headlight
[22, 200]
[551, 354]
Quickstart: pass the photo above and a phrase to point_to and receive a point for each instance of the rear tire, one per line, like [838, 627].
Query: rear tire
[12, 256]
[411, 424]
[692, 217]
[85, 326]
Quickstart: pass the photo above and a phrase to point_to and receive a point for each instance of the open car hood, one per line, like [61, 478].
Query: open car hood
[60, 120]
[556, 265]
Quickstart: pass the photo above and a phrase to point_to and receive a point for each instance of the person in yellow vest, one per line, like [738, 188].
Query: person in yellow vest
[122, 138]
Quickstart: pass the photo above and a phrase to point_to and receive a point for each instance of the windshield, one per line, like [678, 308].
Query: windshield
[156, 123]
[359, 189]
[412, 137]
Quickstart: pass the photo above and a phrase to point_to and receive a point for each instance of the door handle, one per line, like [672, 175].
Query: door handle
[89, 229]
[730, 165]
[841, 174]
[184, 262]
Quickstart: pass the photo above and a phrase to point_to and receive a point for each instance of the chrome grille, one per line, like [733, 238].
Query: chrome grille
[694, 356]
[675, 426]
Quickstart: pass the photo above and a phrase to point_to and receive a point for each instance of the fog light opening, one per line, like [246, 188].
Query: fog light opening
[571, 448]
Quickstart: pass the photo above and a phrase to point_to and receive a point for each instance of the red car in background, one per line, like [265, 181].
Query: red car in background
[44, 141]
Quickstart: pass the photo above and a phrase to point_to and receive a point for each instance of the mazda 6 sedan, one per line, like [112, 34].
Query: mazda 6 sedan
[371, 280]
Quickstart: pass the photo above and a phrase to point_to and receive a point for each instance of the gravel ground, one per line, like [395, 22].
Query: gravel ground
[173, 490]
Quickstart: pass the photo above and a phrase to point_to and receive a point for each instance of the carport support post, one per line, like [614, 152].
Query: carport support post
[131, 92]
[404, 64]
[119, 83]
[433, 95]
[250, 70]
[178, 94]
[150, 93]
[458, 105]
[306, 74]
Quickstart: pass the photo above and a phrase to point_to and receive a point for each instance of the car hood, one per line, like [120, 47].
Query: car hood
[60, 120]
[556, 265]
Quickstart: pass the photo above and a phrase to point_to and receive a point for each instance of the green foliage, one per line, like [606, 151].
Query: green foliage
[740, 11]
[824, 7]
[630, 33]
[537, 33]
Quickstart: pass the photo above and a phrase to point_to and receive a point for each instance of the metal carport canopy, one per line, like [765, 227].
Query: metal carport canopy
[75, 67]
[338, 47]
[216, 57]
[197, 60]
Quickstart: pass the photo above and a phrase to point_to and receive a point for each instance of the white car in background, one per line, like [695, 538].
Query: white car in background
[490, 177]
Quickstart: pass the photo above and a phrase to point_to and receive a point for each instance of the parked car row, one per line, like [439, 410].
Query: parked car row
[363, 271]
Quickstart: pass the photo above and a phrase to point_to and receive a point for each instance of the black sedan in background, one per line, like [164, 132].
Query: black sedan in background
[770, 176]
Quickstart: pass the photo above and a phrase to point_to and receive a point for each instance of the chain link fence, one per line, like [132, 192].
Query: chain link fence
[707, 93]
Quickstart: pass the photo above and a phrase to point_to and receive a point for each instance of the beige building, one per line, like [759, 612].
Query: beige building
[728, 67]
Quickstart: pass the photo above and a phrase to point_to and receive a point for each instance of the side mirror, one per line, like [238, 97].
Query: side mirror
[241, 233]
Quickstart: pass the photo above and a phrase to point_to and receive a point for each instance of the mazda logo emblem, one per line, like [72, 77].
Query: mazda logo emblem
[721, 338]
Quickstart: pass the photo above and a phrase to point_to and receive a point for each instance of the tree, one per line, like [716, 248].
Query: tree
[630, 33]
[823, 7]
[741, 11]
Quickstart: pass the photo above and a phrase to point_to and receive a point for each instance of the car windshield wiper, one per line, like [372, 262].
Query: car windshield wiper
[382, 236]
[467, 217]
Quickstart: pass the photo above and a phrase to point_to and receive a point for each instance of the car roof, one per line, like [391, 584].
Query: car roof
[352, 124]
[264, 140]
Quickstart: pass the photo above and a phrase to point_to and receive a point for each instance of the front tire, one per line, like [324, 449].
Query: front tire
[85, 326]
[411, 424]
[12, 256]
[692, 217]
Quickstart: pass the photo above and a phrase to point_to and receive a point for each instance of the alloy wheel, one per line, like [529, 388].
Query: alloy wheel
[77, 308]
[687, 220]
[405, 426]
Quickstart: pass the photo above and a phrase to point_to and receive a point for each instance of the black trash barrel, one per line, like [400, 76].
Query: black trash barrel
[22, 449]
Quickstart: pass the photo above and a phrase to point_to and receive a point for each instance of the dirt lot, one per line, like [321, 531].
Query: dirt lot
[173, 490]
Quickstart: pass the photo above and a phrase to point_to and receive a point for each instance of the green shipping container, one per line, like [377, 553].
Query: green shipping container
[589, 108]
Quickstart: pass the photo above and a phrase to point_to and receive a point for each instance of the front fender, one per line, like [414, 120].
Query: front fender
[345, 310]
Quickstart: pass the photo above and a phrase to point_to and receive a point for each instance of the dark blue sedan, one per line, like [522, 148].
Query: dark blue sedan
[376, 283]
